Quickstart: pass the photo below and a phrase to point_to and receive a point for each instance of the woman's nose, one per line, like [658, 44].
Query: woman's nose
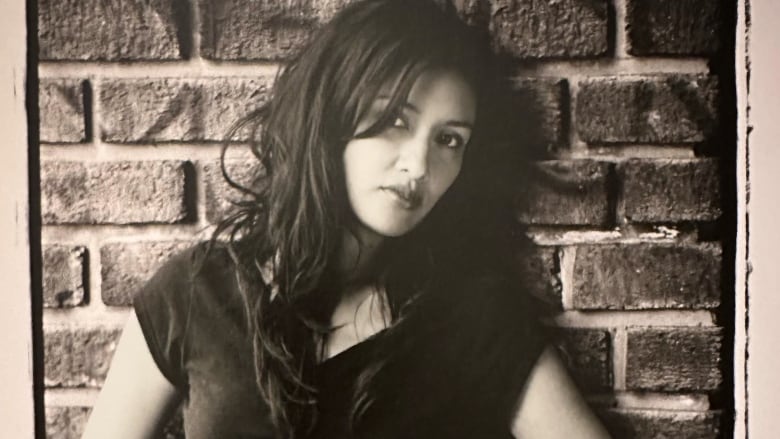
[413, 158]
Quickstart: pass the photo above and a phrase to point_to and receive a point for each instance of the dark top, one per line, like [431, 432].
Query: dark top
[460, 377]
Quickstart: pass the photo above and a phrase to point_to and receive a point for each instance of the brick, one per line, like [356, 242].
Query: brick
[77, 357]
[587, 354]
[219, 195]
[91, 30]
[662, 109]
[548, 101]
[61, 106]
[539, 272]
[69, 423]
[674, 27]
[66, 422]
[125, 267]
[657, 424]
[547, 29]
[566, 193]
[670, 190]
[64, 276]
[260, 30]
[647, 276]
[178, 110]
[120, 192]
[674, 359]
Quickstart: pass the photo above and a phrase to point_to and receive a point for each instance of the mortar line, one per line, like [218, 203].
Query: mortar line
[641, 400]
[626, 234]
[621, 31]
[617, 197]
[618, 319]
[619, 358]
[70, 397]
[97, 121]
[203, 68]
[195, 30]
[193, 68]
[576, 145]
[567, 256]
[112, 153]
[109, 317]
[619, 153]
[629, 400]
[627, 67]
[200, 195]
[80, 234]
[95, 281]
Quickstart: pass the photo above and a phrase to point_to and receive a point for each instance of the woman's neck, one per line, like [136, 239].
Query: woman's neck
[358, 254]
[360, 311]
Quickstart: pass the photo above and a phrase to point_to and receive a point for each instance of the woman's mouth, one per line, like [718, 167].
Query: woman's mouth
[405, 196]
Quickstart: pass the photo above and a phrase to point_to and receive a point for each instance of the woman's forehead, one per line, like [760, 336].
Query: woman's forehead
[442, 90]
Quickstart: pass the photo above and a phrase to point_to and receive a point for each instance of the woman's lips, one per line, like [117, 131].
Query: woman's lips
[404, 195]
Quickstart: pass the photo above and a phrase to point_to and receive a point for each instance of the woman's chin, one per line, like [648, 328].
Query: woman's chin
[392, 229]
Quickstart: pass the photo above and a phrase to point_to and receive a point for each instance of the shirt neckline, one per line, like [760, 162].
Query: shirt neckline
[353, 350]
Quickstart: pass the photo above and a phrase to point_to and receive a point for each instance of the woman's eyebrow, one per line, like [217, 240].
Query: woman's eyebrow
[451, 122]
[460, 124]
[386, 98]
[411, 107]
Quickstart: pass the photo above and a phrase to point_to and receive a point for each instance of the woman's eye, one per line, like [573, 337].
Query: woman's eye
[450, 140]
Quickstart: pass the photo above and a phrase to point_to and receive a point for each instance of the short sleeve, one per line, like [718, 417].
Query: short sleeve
[162, 306]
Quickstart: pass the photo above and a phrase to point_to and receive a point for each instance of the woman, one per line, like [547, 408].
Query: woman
[364, 289]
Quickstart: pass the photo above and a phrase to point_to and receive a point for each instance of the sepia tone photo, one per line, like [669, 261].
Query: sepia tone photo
[387, 218]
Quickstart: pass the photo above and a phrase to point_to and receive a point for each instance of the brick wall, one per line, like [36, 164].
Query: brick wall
[632, 251]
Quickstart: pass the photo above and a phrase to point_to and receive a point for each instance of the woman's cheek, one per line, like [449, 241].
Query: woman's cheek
[448, 166]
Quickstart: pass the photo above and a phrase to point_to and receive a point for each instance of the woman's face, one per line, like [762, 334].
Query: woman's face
[396, 177]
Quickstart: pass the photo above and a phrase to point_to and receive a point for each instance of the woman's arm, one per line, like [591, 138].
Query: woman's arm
[551, 407]
[136, 399]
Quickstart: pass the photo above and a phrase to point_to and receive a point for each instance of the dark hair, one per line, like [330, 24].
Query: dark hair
[297, 209]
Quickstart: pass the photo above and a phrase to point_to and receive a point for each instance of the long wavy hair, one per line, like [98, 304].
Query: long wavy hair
[296, 211]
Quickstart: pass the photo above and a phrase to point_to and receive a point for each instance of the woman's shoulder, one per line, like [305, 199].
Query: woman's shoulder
[204, 255]
[203, 273]
[204, 258]
[190, 309]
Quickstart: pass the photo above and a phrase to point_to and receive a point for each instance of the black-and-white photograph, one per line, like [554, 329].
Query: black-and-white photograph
[386, 219]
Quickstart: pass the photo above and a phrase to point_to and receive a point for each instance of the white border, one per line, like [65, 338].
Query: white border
[756, 395]
[740, 291]
[16, 398]
[763, 219]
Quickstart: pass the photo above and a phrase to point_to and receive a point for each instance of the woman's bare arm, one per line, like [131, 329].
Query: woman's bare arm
[551, 407]
[136, 399]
